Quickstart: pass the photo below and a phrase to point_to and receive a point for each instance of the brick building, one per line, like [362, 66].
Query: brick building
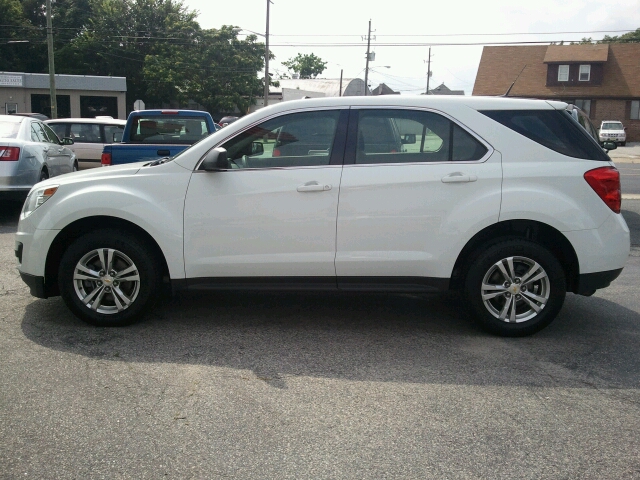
[603, 80]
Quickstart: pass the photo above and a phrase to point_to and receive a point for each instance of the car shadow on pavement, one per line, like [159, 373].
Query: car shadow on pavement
[9, 215]
[388, 338]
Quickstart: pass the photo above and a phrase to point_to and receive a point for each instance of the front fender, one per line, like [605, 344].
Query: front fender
[157, 210]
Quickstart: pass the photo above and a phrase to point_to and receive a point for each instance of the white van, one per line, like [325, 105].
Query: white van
[90, 135]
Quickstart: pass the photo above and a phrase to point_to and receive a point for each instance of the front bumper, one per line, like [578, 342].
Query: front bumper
[35, 284]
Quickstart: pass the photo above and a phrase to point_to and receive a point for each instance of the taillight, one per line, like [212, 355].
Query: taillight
[276, 152]
[9, 154]
[605, 181]
[105, 159]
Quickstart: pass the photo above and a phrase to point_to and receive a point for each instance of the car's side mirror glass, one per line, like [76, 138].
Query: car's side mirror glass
[609, 146]
[215, 161]
[67, 141]
[408, 138]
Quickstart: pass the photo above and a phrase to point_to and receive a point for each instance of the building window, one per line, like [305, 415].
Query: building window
[635, 110]
[585, 73]
[584, 105]
[563, 73]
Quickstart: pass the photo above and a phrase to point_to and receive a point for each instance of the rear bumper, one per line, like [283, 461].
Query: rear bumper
[590, 282]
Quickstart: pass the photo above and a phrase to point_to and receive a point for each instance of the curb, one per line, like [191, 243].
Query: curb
[630, 196]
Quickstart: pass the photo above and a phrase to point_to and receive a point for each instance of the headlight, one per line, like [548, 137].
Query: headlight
[37, 198]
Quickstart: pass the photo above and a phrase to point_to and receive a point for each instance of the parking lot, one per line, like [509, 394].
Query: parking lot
[226, 385]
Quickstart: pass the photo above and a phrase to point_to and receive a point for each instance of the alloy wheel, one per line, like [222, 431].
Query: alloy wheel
[106, 281]
[515, 289]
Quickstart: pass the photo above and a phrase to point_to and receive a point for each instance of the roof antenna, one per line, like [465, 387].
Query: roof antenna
[514, 82]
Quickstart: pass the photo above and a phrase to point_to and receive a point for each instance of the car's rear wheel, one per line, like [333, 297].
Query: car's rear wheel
[107, 280]
[623, 144]
[515, 287]
[44, 175]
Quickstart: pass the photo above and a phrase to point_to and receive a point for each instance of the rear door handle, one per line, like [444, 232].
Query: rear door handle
[459, 177]
[313, 187]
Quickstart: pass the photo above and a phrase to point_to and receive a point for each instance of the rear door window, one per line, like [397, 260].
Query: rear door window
[85, 133]
[412, 136]
[552, 129]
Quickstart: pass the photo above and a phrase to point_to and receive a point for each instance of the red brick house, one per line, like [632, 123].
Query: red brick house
[603, 80]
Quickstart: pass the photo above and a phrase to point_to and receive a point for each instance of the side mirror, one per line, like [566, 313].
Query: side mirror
[67, 141]
[408, 138]
[609, 146]
[215, 160]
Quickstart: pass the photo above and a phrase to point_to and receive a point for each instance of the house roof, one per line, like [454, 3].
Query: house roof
[384, 89]
[329, 86]
[577, 53]
[442, 89]
[502, 65]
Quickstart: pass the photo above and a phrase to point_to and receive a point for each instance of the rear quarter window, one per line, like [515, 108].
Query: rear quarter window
[552, 129]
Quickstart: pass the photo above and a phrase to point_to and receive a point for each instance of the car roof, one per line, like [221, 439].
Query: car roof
[99, 121]
[13, 118]
[426, 101]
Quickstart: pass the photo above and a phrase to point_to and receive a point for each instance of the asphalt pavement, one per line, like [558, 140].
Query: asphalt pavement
[310, 386]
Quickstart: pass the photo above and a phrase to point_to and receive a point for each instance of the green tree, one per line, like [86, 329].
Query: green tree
[307, 66]
[630, 37]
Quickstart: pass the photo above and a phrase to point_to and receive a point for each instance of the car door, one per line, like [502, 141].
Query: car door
[48, 151]
[88, 143]
[414, 185]
[64, 154]
[272, 213]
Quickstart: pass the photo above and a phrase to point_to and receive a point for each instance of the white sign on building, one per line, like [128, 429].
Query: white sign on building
[11, 80]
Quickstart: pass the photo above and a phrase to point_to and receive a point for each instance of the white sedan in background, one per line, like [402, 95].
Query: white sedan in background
[29, 153]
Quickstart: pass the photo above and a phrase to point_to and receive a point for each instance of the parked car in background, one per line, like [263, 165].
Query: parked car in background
[29, 153]
[613, 131]
[228, 120]
[90, 135]
[39, 116]
[509, 201]
[157, 134]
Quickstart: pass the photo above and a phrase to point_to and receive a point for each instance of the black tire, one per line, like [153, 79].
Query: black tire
[536, 305]
[44, 175]
[111, 290]
[75, 167]
[623, 144]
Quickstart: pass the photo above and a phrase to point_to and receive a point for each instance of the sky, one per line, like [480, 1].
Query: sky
[298, 26]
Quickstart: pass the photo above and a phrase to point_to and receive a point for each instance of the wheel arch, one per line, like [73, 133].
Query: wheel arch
[81, 226]
[538, 232]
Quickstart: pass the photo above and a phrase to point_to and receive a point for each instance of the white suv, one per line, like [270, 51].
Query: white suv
[612, 131]
[508, 200]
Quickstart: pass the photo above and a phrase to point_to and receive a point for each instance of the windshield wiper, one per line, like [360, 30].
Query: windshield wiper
[160, 161]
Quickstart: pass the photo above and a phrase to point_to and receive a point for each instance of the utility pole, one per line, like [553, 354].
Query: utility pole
[366, 70]
[428, 71]
[266, 60]
[52, 70]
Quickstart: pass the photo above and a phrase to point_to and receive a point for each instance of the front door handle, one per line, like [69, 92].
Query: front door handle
[313, 187]
[459, 177]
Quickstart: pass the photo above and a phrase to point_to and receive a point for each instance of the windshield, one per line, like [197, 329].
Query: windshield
[9, 129]
[612, 126]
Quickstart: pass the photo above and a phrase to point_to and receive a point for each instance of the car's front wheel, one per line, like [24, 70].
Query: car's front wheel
[515, 287]
[108, 280]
